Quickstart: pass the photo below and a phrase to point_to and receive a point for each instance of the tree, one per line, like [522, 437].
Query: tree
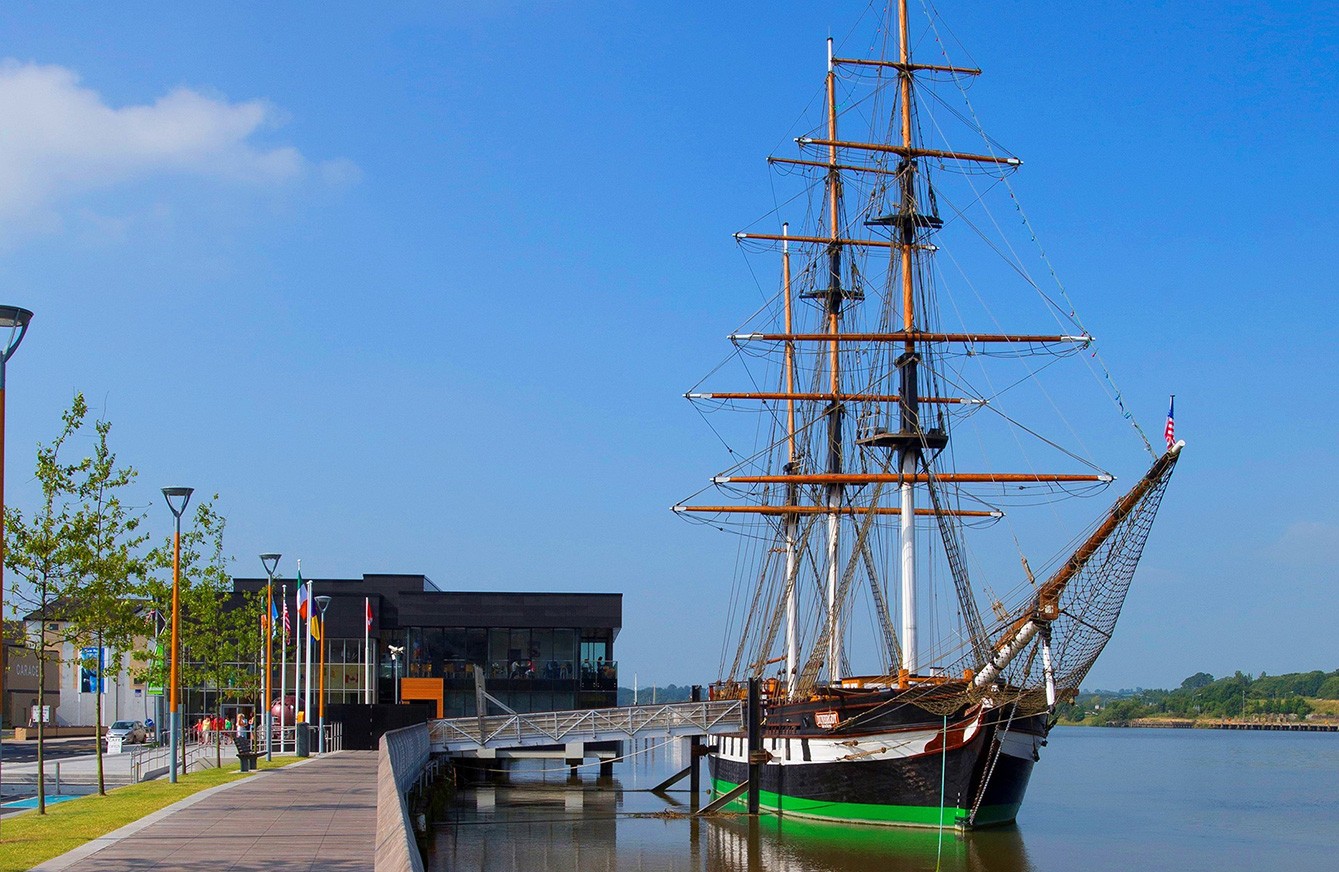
[219, 643]
[106, 612]
[46, 550]
[1196, 681]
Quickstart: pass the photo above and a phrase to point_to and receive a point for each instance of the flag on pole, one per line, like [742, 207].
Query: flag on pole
[305, 610]
[367, 651]
[1170, 431]
[288, 629]
[273, 621]
[316, 631]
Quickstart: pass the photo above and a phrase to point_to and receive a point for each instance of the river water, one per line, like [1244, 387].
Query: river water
[1100, 799]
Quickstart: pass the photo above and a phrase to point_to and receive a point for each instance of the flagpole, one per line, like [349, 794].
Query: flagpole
[307, 687]
[299, 640]
[283, 670]
[367, 658]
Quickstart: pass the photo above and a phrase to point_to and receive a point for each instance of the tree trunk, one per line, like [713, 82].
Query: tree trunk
[41, 708]
[97, 720]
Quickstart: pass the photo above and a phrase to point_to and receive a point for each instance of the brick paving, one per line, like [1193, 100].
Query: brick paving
[320, 815]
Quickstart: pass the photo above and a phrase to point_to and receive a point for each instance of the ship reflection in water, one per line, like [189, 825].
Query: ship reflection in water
[527, 825]
[767, 844]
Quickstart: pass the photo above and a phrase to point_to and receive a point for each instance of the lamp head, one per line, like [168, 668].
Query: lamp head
[323, 603]
[183, 494]
[271, 563]
[15, 320]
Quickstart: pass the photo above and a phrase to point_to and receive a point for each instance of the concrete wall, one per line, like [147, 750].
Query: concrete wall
[123, 699]
[402, 754]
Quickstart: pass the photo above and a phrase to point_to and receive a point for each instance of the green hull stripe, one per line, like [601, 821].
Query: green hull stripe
[870, 813]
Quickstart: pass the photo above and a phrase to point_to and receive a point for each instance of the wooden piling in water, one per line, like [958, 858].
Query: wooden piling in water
[755, 743]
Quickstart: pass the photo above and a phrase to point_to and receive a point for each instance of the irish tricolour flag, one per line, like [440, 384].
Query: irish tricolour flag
[304, 598]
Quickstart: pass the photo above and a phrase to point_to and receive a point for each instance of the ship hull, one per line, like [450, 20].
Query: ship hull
[901, 772]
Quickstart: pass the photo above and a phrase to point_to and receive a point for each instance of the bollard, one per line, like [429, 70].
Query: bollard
[302, 741]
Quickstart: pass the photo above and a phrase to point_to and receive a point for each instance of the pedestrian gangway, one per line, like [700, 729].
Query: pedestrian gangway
[485, 735]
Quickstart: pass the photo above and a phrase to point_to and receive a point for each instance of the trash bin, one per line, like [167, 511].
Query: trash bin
[302, 740]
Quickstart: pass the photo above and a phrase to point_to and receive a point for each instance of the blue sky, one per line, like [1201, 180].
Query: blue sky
[419, 289]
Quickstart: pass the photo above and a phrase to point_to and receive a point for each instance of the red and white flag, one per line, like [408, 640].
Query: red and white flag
[1170, 432]
[367, 651]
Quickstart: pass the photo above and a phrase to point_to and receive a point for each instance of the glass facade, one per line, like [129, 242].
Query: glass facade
[529, 669]
[345, 673]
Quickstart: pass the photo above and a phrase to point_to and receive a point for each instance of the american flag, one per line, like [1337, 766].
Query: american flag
[286, 627]
[1170, 432]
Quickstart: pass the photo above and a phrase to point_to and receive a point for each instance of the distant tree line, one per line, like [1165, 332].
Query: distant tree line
[647, 695]
[1240, 695]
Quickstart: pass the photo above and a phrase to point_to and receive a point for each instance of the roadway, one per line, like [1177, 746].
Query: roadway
[56, 749]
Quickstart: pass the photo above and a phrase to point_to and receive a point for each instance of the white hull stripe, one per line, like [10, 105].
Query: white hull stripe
[855, 749]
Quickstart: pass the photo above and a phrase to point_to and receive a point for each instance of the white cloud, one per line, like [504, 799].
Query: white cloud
[59, 139]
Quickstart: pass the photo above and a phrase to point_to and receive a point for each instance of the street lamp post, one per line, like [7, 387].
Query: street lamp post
[271, 563]
[396, 651]
[183, 496]
[15, 320]
[322, 603]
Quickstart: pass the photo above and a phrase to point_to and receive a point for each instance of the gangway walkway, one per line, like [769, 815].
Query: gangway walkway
[484, 736]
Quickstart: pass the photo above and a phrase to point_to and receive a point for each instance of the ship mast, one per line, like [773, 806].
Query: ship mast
[910, 389]
[835, 408]
[792, 489]
[910, 446]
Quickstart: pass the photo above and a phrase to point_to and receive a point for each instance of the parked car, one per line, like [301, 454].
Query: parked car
[129, 732]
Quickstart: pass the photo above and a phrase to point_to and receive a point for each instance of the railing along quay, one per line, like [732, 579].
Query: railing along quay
[516, 730]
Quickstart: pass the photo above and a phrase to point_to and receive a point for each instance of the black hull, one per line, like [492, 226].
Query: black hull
[894, 769]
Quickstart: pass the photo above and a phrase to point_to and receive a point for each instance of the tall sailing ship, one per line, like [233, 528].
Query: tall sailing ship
[873, 398]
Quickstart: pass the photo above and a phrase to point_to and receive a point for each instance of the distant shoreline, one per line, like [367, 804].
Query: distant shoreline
[1295, 726]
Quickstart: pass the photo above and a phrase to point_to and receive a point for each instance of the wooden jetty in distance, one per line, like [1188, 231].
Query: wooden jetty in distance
[1187, 724]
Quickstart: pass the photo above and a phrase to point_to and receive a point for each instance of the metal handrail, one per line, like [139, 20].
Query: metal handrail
[556, 727]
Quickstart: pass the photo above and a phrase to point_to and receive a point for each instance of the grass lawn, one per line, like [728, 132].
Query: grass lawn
[30, 838]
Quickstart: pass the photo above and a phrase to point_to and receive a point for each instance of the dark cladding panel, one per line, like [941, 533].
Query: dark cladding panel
[415, 601]
[476, 609]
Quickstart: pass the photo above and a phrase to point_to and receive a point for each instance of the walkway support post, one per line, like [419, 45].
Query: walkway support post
[755, 743]
[695, 760]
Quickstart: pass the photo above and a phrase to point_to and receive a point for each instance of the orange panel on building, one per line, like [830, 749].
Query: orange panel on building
[424, 690]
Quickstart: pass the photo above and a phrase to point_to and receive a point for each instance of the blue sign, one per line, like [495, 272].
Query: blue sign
[91, 665]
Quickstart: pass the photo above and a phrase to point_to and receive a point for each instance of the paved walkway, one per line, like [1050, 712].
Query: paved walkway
[318, 815]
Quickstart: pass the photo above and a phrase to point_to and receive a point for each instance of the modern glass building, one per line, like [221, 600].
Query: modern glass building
[534, 651]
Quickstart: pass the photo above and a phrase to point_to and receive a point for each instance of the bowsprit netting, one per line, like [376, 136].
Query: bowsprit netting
[1076, 609]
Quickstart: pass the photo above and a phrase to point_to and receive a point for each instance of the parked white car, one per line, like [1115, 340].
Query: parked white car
[129, 732]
